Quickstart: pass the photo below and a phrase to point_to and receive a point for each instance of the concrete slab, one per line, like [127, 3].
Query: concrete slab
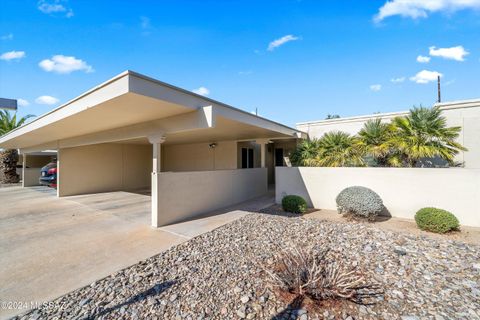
[50, 246]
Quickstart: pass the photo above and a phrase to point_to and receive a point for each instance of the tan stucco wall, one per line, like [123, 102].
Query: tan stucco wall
[403, 190]
[31, 176]
[103, 168]
[183, 195]
[35, 161]
[199, 157]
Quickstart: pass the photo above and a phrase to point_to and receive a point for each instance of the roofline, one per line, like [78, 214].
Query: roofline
[144, 77]
[457, 104]
[147, 78]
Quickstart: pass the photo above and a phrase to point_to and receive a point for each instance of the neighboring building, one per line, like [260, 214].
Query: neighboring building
[131, 133]
[465, 114]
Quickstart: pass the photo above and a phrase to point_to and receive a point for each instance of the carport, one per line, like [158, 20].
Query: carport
[134, 133]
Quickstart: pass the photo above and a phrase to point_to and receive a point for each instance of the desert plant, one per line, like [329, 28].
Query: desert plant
[359, 201]
[374, 139]
[306, 153]
[294, 204]
[436, 220]
[424, 134]
[320, 275]
[338, 149]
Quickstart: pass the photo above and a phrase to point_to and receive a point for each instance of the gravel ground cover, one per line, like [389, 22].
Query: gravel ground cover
[219, 275]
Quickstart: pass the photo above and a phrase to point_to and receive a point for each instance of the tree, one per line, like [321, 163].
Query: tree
[9, 157]
[424, 134]
[306, 153]
[338, 149]
[374, 139]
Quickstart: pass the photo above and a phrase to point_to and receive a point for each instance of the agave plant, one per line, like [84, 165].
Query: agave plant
[339, 149]
[424, 134]
[9, 158]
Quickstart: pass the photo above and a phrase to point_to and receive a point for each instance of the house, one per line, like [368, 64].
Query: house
[134, 133]
[465, 114]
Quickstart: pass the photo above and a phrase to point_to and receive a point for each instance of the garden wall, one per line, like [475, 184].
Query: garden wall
[403, 190]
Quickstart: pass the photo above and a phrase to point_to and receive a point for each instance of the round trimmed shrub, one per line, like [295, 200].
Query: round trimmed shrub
[294, 204]
[359, 201]
[436, 220]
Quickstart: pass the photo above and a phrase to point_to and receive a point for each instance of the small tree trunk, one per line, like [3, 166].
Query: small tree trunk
[8, 166]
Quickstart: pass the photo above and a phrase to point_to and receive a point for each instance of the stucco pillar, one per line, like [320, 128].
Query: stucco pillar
[263, 151]
[24, 165]
[156, 169]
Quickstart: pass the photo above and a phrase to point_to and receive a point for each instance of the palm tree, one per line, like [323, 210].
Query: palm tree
[338, 149]
[9, 157]
[424, 134]
[306, 153]
[374, 139]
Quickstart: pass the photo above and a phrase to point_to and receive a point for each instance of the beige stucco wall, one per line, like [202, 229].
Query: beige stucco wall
[199, 157]
[31, 176]
[103, 168]
[36, 161]
[468, 118]
[403, 190]
[183, 195]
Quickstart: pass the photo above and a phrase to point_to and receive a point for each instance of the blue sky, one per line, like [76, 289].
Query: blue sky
[293, 60]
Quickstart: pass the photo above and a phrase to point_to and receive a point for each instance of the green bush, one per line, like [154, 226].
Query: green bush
[436, 220]
[295, 204]
[359, 201]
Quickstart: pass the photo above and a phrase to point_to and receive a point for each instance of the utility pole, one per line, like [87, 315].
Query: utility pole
[438, 89]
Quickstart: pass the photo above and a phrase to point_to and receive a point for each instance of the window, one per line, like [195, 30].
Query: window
[247, 158]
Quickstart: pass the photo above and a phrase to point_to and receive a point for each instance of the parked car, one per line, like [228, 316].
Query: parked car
[48, 175]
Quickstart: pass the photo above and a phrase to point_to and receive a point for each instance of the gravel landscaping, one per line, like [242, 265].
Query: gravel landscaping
[218, 275]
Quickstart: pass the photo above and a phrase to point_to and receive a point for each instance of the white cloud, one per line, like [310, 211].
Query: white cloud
[22, 102]
[398, 80]
[202, 91]
[46, 100]
[281, 41]
[64, 64]
[55, 6]
[423, 59]
[12, 55]
[425, 76]
[422, 8]
[245, 73]
[376, 87]
[7, 36]
[457, 53]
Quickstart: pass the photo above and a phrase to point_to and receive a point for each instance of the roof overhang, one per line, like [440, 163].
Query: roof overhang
[132, 107]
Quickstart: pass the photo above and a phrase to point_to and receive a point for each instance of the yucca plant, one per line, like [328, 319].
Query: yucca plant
[9, 157]
[339, 149]
[424, 134]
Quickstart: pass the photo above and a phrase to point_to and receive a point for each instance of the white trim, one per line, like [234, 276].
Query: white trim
[444, 106]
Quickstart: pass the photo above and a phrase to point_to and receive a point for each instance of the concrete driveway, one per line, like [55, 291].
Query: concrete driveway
[50, 246]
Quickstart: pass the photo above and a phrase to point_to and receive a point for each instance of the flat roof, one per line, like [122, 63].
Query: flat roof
[126, 99]
[471, 103]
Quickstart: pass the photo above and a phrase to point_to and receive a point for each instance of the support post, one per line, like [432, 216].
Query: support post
[263, 151]
[24, 165]
[156, 169]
